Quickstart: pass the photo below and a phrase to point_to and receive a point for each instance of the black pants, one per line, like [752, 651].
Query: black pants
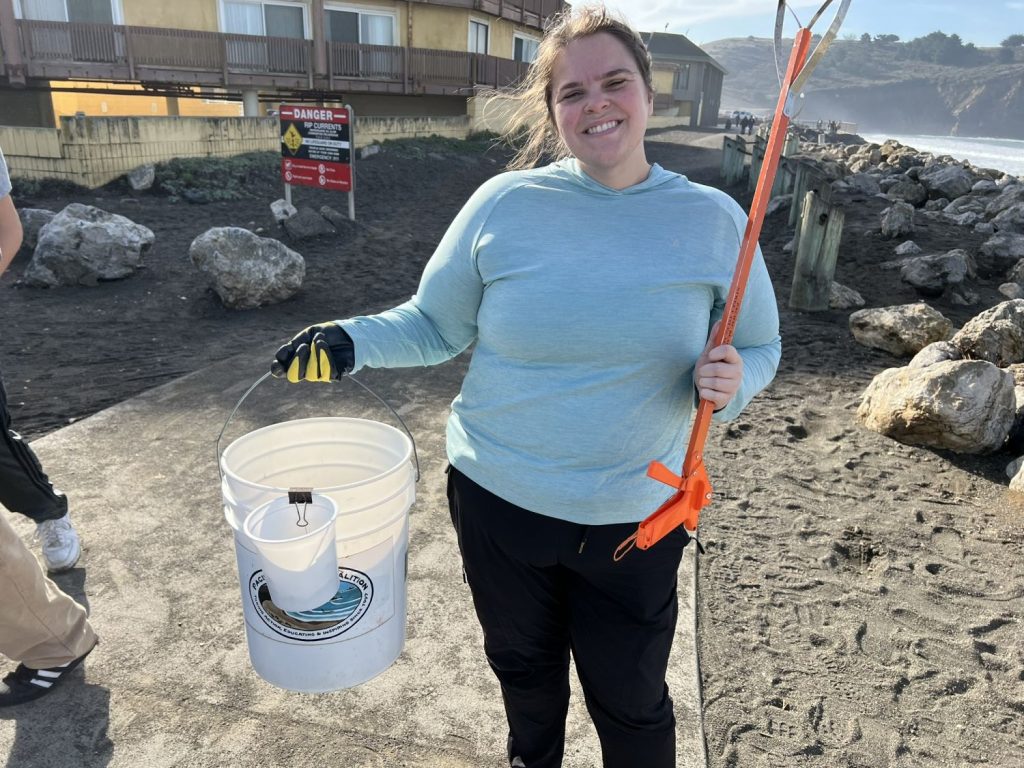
[543, 587]
[24, 486]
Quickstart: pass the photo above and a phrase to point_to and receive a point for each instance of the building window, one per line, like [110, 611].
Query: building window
[682, 79]
[264, 18]
[524, 48]
[353, 26]
[93, 11]
[478, 34]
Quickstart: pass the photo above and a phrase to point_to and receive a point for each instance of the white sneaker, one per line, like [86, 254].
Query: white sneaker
[61, 547]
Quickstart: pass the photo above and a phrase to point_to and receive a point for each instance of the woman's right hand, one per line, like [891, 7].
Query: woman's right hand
[322, 352]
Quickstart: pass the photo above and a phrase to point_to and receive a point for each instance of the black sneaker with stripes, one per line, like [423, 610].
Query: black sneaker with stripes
[26, 684]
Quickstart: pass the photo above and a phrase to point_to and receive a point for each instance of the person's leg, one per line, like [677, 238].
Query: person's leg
[622, 623]
[40, 626]
[24, 487]
[510, 563]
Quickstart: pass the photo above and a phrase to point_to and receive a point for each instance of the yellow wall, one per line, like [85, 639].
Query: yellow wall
[66, 104]
[177, 14]
[447, 29]
[663, 80]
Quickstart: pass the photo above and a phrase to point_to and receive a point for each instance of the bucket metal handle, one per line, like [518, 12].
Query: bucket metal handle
[353, 379]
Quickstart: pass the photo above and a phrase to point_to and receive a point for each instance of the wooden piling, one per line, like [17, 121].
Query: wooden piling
[733, 160]
[816, 253]
[757, 153]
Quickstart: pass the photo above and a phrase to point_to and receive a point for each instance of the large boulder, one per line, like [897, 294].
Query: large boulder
[863, 183]
[1010, 220]
[949, 181]
[83, 245]
[908, 248]
[1011, 195]
[908, 192]
[898, 220]
[842, 297]
[967, 406]
[901, 330]
[999, 253]
[996, 335]
[931, 275]
[140, 179]
[307, 223]
[247, 270]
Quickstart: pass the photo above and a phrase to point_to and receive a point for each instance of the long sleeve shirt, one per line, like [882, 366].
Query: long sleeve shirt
[589, 307]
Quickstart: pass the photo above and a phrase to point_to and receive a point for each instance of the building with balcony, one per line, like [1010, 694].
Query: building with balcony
[385, 57]
[687, 81]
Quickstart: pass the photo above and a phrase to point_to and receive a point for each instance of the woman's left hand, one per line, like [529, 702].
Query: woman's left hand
[719, 372]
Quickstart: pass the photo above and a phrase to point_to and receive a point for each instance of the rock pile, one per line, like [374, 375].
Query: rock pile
[920, 185]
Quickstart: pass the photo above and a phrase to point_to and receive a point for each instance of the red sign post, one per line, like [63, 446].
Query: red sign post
[316, 149]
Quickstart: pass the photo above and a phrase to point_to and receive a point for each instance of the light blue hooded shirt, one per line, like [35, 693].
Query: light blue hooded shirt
[589, 307]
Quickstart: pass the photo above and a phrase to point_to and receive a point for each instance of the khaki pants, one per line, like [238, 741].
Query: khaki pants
[40, 626]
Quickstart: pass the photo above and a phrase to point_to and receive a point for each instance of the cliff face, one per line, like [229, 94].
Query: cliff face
[887, 95]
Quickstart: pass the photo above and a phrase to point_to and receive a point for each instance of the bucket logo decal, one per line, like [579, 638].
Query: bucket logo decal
[333, 618]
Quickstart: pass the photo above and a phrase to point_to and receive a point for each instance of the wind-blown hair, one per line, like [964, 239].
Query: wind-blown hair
[531, 127]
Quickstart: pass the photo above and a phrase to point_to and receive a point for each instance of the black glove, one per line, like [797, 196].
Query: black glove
[317, 353]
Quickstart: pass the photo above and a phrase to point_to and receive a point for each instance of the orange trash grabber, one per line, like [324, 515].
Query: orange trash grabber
[693, 487]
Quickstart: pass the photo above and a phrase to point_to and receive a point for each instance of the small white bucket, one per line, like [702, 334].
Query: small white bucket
[367, 469]
[295, 542]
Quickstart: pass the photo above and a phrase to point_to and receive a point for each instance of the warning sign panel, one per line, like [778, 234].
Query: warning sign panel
[316, 147]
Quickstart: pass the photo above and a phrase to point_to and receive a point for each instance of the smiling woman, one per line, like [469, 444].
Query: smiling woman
[587, 288]
[600, 105]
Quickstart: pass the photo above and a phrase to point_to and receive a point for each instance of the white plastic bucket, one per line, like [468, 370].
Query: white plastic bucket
[366, 468]
[296, 545]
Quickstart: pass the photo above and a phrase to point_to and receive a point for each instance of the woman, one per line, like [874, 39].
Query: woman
[589, 287]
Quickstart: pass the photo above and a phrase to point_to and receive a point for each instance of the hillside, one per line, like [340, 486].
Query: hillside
[870, 85]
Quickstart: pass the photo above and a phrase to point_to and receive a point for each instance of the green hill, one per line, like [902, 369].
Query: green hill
[881, 87]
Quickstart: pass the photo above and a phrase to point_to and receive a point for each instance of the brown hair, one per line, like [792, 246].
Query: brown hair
[532, 124]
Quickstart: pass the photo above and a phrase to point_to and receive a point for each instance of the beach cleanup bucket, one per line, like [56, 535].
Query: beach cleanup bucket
[368, 470]
[295, 543]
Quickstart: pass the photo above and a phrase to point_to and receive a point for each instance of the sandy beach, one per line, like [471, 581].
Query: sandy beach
[860, 600]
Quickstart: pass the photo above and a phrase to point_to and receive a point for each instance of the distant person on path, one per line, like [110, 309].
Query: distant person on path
[590, 287]
[40, 626]
[24, 487]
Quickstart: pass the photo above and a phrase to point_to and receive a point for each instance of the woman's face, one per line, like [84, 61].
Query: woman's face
[600, 105]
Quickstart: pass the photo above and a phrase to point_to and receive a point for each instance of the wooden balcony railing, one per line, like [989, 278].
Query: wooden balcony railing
[528, 12]
[115, 53]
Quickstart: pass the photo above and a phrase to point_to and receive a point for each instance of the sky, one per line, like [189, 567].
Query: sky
[982, 22]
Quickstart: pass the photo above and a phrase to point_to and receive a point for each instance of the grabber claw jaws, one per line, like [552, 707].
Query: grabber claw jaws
[682, 508]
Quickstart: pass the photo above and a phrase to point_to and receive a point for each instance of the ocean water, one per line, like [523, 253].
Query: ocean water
[1003, 154]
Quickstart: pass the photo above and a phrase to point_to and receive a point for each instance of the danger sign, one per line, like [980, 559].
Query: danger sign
[316, 147]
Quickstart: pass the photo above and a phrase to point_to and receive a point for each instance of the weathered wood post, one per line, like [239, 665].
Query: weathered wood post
[786, 177]
[799, 190]
[756, 158]
[821, 229]
[733, 158]
[792, 145]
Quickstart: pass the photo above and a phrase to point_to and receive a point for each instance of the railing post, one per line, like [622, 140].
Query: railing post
[224, 58]
[129, 52]
[406, 74]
